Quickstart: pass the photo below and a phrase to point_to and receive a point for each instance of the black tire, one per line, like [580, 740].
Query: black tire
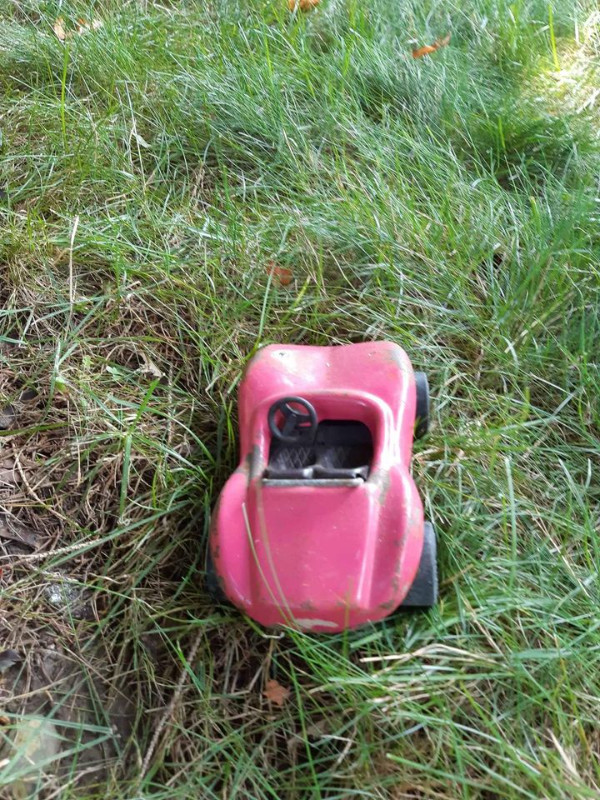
[211, 582]
[424, 591]
[422, 415]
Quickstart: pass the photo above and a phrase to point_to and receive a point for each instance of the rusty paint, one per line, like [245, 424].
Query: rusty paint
[382, 480]
[254, 464]
[394, 355]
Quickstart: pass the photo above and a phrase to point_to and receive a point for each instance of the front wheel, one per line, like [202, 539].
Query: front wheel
[424, 591]
[422, 411]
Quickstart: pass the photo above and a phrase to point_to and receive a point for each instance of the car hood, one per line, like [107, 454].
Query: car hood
[319, 557]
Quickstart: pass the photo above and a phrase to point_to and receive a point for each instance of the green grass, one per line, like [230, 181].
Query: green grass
[149, 172]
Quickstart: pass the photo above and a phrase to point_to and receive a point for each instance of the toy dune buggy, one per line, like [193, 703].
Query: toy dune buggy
[321, 526]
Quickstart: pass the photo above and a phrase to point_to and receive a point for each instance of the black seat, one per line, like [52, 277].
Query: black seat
[341, 450]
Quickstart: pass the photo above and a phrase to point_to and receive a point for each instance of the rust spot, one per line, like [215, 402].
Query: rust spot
[381, 480]
[395, 356]
[254, 463]
[389, 606]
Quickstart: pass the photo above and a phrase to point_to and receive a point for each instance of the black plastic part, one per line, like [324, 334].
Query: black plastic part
[424, 591]
[296, 424]
[422, 420]
[211, 582]
[339, 450]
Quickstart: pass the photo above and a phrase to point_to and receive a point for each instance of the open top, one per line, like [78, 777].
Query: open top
[333, 450]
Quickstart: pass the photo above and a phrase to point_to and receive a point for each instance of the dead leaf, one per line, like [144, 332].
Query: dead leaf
[276, 693]
[8, 414]
[140, 140]
[17, 532]
[150, 368]
[59, 29]
[303, 5]
[423, 51]
[282, 276]
[83, 26]
[431, 48]
[8, 473]
[8, 658]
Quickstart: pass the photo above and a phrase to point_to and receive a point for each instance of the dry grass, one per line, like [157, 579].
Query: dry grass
[152, 170]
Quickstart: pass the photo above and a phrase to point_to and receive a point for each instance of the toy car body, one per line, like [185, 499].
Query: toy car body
[321, 526]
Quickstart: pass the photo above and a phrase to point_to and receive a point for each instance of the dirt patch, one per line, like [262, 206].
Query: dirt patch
[78, 694]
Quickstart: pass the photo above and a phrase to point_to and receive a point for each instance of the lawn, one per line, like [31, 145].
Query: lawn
[182, 182]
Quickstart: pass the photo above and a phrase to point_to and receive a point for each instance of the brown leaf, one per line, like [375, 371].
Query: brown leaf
[431, 48]
[8, 473]
[276, 693]
[8, 414]
[7, 659]
[83, 26]
[59, 29]
[282, 276]
[423, 51]
[303, 5]
[17, 532]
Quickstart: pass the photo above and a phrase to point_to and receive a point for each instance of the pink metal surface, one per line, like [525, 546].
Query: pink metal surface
[323, 558]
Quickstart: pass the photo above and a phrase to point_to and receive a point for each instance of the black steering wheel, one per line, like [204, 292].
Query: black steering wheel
[295, 423]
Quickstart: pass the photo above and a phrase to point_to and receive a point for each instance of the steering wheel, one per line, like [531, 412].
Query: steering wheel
[295, 422]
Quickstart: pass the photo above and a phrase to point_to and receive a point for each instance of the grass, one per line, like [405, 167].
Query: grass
[150, 170]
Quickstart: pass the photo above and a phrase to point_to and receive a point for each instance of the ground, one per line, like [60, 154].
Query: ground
[182, 182]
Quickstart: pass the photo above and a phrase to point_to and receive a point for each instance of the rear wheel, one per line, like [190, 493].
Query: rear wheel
[422, 415]
[424, 591]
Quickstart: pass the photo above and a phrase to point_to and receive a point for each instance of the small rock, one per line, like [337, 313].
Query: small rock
[72, 599]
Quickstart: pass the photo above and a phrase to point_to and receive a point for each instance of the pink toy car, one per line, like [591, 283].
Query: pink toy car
[321, 526]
